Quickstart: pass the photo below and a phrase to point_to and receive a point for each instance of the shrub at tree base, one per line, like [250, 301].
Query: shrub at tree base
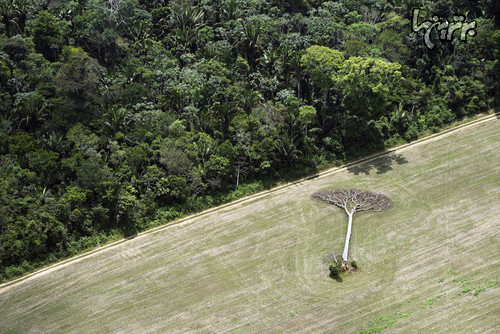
[334, 268]
[339, 267]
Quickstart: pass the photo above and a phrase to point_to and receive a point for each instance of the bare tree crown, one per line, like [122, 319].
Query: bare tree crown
[352, 200]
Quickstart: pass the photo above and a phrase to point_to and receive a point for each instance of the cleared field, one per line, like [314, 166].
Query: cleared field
[429, 265]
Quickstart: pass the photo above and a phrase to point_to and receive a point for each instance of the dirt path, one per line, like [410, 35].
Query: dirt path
[7, 286]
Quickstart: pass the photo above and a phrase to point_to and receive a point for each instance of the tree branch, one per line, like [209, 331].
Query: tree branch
[352, 200]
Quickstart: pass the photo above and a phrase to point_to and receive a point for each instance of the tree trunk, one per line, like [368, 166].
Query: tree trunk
[238, 176]
[347, 238]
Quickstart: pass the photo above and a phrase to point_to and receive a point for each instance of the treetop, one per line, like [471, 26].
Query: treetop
[353, 200]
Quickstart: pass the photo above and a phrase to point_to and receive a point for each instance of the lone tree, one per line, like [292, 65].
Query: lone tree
[352, 201]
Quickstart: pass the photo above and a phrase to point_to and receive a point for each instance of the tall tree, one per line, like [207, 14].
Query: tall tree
[353, 201]
[78, 78]
[47, 35]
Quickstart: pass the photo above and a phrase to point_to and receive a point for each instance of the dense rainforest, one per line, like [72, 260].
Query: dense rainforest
[119, 115]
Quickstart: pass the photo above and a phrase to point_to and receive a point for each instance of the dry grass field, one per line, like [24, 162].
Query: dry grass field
[431, 264]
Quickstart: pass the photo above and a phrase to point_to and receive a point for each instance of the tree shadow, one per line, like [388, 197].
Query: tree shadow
[312, 177]
[381, 164]
[336, 277]
[132, 236]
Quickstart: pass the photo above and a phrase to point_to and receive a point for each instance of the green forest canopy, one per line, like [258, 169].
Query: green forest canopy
[123, 114]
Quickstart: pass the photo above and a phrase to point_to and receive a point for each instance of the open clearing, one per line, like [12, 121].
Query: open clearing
[429, 265]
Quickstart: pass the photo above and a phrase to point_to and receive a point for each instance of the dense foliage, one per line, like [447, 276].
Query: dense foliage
[117, 115]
